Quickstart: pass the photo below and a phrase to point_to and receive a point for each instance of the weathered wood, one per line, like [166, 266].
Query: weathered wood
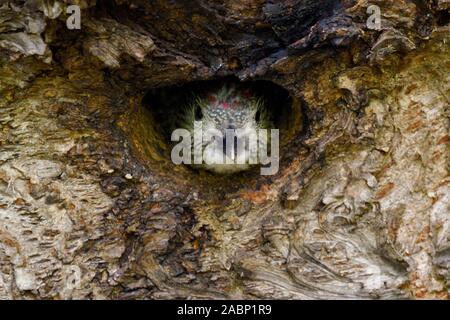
[92, 207]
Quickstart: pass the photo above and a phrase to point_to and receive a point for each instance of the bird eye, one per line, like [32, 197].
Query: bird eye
[198, 113]
[257, 115]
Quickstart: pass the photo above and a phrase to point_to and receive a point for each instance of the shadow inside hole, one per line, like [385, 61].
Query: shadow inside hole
[167, 103]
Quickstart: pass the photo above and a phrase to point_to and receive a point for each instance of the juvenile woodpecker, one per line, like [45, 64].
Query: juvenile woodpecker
[221, 110]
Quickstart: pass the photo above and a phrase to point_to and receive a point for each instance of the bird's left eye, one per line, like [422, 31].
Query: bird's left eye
[257, 116]
[198, 113]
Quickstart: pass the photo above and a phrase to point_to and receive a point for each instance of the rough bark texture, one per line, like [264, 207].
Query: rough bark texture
[359, 209]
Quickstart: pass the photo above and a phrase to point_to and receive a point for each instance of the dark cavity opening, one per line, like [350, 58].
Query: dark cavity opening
[160, 107]
[166, 103]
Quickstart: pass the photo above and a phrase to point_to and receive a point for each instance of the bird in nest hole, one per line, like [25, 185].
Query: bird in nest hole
[230, 107]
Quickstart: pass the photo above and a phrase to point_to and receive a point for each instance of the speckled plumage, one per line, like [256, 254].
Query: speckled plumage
[229, 107]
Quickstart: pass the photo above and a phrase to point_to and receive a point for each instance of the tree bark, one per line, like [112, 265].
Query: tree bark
[91, 206]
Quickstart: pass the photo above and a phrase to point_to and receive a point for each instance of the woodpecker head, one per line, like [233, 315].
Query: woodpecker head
[219, 112]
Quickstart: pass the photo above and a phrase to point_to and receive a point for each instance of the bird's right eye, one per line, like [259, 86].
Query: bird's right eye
[198, 113]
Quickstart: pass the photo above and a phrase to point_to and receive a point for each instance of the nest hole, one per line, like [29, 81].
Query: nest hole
[151, 128]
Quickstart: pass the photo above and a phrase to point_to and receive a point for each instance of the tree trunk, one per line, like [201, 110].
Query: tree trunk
[92, 207]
